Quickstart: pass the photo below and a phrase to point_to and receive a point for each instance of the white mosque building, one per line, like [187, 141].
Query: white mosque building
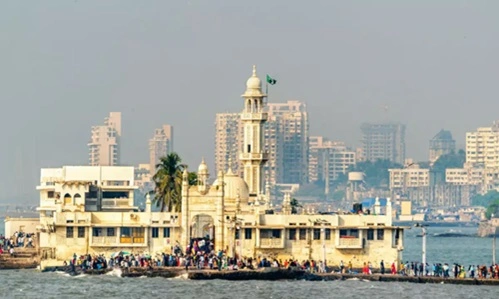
[89, 209]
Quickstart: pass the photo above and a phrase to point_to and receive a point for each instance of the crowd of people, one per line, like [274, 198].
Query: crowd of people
[445, 270]
[200, 254]
[17, 240]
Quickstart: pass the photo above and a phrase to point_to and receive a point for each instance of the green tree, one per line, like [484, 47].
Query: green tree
[485, 200]
[338, 195]
[451, 160]
[193, 178]
[492, 209]
[168, 182]
[295, 205]
[376, 173]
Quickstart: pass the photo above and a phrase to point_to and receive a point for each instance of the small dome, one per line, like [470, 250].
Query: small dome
[235, 185]
[254, 82]
[203, 168]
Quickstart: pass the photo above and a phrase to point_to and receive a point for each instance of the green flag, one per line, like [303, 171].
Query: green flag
[270, 80]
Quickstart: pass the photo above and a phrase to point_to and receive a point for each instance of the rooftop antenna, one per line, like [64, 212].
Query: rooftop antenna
[385, 108]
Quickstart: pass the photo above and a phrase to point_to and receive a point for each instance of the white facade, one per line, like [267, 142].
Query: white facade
[409, 177]
[482, 151]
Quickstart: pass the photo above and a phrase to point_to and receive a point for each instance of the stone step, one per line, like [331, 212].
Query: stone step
[17, 257]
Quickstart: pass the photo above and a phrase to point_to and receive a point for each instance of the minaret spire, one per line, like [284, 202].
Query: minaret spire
[253, 118]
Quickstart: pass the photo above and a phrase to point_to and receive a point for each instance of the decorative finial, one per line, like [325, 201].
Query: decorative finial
[254, 70]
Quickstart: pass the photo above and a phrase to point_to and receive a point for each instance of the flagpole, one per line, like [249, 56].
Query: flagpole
[267, 90]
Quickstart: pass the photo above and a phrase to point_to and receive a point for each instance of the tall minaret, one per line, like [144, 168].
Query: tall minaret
[253, 117]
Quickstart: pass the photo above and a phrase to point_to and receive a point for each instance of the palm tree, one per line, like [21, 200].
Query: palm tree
[168, 181]
[294, 205]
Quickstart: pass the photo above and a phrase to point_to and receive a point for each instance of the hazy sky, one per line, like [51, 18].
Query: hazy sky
[64, 65]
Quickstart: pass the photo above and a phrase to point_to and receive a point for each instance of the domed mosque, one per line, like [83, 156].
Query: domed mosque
[210, 210]
[233, 213]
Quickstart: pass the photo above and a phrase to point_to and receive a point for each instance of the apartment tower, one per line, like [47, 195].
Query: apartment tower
[285, 142]
[228, 142]
[105, 144]
[385, 141]
[293, 130]
[160, 145]
[329, 159]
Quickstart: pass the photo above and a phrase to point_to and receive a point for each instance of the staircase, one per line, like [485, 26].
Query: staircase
[24, 258]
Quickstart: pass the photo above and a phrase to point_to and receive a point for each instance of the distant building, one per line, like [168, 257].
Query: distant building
[384, 141]
[417, 185]
[482, 151]
[105, 142]
[412, 182]
[441, 144]
[292, 119]
[329, 159]
[160, 145]
[143, 177]
[285, 141]
[228, 142]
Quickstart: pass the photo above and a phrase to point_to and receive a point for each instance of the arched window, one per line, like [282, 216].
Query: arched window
[68, 199]
[77, 198]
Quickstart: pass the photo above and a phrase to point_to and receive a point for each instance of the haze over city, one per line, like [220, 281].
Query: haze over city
[67, 64]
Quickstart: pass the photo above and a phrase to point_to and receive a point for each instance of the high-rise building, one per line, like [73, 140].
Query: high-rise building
[285, 142]
[228, 142]
[441, 144]
[329, 159]
[384, 141]
[160, 145]
[105, 145]
[482, 151]
[292, 121]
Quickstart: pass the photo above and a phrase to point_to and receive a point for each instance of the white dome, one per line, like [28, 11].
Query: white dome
[254, 82]
[203, 168]
[234, 186]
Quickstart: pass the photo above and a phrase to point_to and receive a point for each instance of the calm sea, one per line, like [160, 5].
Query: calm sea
[464, 250]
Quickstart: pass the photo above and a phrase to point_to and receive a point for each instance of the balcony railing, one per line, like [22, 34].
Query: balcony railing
[254, 116]
[104, 241]
[253, 156]
[271, 243]
[114, 202]
[132, 240]
[347, 243]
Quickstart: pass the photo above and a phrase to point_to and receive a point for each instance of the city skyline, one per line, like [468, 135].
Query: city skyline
[145, 61]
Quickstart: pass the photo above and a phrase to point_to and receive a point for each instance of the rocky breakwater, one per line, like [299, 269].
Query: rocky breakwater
[488, 228]
[24, 258]
[293, 274]
[166, 272]
[261, 274]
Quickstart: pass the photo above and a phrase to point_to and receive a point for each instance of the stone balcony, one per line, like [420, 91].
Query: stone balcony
[256, 116]
[254, 156]
[349, 243]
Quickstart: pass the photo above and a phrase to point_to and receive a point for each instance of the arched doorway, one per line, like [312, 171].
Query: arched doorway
[202, 226]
